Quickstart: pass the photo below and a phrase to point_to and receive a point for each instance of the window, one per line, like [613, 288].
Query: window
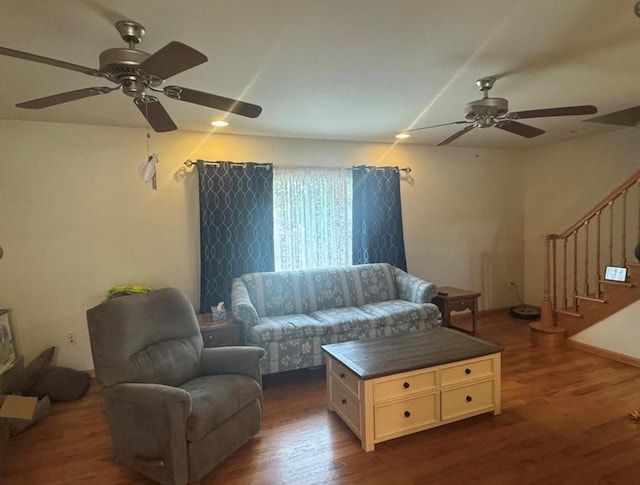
[312, 217]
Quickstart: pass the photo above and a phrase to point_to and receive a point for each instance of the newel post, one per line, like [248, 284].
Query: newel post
[546, 309]
[545, 332]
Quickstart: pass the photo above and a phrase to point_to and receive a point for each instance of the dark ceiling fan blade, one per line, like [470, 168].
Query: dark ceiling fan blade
[625, 117]
[213, 101]
[172, 59]
[521, 129]
[52, 62]
[586, 109]
[456, 135]
[64, 97]
[155, 113]
[433, 126]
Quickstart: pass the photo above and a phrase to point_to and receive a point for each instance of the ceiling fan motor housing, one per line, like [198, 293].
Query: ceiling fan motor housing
[120, 65]
[485, 107]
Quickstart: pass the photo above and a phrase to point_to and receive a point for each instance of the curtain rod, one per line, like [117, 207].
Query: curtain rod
[405, 169]
[190, 163]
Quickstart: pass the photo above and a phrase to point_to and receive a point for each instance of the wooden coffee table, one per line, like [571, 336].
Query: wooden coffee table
[394, 386]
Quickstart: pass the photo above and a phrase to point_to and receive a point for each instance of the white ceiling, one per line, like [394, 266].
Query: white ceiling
[340, 69]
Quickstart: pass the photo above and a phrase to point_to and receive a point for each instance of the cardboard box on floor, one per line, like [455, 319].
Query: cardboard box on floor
[17, 407]
[14, 407]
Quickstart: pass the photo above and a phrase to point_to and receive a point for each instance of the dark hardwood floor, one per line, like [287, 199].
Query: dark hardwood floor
[564, 420]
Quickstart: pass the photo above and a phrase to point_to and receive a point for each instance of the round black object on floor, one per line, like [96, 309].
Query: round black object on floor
[524, 313]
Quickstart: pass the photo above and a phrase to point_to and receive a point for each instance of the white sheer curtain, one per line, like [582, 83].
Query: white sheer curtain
[312, 217]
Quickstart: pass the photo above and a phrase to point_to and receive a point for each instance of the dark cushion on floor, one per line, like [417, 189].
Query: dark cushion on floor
[35, 370]
[61, 384]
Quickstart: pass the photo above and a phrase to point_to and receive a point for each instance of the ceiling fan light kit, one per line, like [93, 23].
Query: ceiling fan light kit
[139, 74]
[490, 112]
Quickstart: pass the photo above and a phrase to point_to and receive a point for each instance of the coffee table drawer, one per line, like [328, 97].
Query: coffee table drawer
[347, 406]
[404, 385]
[474, 398]
[401, 417]
[343, 375]
[467, 371]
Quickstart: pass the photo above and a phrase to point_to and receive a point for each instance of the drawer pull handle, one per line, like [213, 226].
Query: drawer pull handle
[406, 385]
[343, 401]
[467, 371]
[342, 376]
[469, 399]
[407, 414]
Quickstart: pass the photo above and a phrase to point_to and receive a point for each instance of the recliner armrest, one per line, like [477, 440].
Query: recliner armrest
[232, 360]
[156, 396]
[148, 428]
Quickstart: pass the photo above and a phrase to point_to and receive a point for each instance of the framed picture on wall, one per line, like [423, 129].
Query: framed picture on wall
[7, 347]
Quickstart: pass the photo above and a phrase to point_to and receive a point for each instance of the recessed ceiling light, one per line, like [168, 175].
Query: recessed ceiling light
[219, 123]
[402, 135]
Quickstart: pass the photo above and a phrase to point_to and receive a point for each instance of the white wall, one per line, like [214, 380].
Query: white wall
[563, 182]
[619, 333]
[75, 219]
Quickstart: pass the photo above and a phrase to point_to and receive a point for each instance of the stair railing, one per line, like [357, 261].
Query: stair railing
[581, 248]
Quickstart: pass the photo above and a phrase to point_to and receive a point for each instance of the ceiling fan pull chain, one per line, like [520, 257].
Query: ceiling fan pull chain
[154, 180]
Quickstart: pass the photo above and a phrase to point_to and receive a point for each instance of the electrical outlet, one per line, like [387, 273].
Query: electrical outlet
[512, 284]
[71, 338]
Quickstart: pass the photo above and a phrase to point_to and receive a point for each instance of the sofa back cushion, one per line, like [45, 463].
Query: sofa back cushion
[306, 291]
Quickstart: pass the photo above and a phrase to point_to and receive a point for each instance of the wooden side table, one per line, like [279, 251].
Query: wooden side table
[451, 299]
[219, 333]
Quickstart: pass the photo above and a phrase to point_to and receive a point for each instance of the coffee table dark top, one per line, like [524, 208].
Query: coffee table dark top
[391, 355]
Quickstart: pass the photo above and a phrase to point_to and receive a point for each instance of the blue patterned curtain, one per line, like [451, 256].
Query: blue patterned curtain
[236, 226]
[377, 216]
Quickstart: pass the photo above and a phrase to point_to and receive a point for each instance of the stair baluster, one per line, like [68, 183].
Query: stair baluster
[624, 230]
[611, 234]
[564, 275]
[598, 273]
[586, 258]
[575, 271]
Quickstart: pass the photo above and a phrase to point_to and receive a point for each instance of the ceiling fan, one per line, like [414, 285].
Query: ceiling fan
[494, 112]
[139, 74]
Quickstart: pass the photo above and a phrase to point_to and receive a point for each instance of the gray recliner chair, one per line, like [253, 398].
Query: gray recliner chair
[175, 409]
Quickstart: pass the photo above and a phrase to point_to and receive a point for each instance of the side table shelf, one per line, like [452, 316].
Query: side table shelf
[219, 333]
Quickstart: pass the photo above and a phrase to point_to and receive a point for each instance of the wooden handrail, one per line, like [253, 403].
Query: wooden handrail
[550, 291]
[630, 182]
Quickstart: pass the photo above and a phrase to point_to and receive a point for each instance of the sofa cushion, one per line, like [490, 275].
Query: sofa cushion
[371, 283]
[340, 320]
[399, 312]
[285, 327]
[214, 399]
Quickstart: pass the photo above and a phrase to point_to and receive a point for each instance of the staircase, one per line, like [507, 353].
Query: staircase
[575, 294]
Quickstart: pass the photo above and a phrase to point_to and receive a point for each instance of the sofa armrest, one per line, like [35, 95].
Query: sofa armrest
[241, 307]
[414, 289]
[232, 360]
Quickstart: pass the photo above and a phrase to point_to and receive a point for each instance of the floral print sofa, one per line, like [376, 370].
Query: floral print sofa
[291, 314]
